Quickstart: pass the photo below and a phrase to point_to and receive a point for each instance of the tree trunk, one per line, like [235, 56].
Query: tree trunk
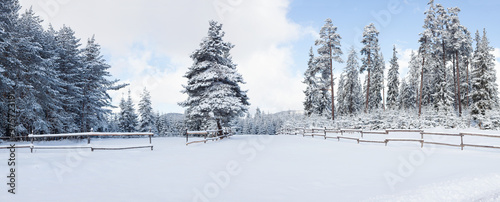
[468, 83]
[11, 117]
[421, 87]
[455, 81]
[219, 128]
[367, 91]
[458, 86]
[383, 93]
[350, 99]
[368, 83]
[331, 83]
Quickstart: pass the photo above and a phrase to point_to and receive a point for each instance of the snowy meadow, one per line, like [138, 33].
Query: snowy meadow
[257, 168]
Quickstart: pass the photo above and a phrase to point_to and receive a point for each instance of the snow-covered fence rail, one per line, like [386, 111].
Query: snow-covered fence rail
[213, 135]
[88, 135]
[323, 132]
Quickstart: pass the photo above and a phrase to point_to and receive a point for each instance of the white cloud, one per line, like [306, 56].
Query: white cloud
[133, 34]
[404, 57]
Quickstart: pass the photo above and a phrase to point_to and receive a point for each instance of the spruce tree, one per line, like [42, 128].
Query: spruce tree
[128, 117]
[95, 98]
[393, 82]
[352, 85]
[484, 87]
[341, 96]
[213, 86]
[70, 70]
[9, 64]
[312, 102]
[146, 115]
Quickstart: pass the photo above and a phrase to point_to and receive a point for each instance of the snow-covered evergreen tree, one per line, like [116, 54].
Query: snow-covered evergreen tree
[410, 95]
[213, 83]
[341, 96]
[146, 115]
[70, 70]
[393, 82]
[95, 98]
[377, 83]
[329, 50]
[370, 61]
[8, 64]
[128, 117]
[353, 99]
[428, 62]
[484, 87]
[312, 104]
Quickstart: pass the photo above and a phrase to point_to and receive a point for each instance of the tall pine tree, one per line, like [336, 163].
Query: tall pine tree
[370, 61]
[213, 87]
[484, 87]
[393, 82]
[329, 50]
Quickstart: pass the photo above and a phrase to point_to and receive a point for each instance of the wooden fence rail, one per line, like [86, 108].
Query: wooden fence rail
[323, 132]
[87, 135]
[208, 135]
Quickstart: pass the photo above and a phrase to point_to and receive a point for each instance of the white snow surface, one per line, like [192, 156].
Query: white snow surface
[254, 168]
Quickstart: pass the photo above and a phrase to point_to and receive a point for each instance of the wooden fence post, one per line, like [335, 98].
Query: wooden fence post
[325, 133]
[462, 141]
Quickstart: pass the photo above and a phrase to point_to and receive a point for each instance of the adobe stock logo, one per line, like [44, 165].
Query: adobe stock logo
[223, 7]
[50, 8]
[12, 169]
[383, 18]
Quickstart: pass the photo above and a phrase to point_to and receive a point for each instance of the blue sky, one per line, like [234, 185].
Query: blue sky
[148, 43]
[398, 21]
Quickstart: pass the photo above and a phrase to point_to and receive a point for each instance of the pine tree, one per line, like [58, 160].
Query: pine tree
[377, 82]
[369, 62]
[457, 39]
[128, 117]
[312, 102]
[426, 42]
[146, 119]
[213, 83]
[352, 86]
[53, 93]
[329, 50]
[410, 95]
[341, 96]
[8, 63]
[31, 77]
[95, 98]
[393, 82]
[484, 87]
[70, 70]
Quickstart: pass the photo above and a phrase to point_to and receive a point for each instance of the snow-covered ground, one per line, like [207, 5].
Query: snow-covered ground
[254, 168]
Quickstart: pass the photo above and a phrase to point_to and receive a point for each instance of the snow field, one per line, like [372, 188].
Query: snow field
[256, 168]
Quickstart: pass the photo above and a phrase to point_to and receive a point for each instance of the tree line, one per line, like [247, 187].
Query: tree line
[49, 83]
[447, 76]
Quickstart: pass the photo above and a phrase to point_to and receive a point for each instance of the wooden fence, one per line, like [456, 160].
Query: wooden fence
[208, 135]
[323, 132]
[88, 136]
